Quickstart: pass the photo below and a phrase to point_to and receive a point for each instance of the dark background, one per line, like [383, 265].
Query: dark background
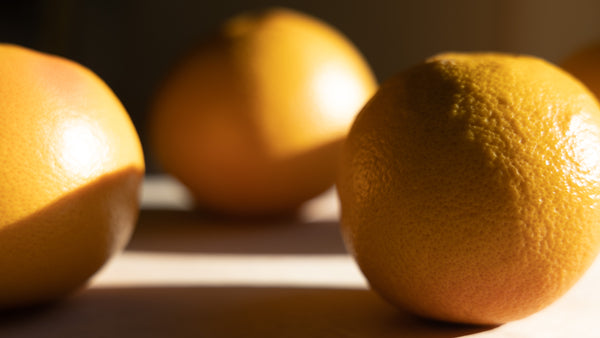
[130, 44]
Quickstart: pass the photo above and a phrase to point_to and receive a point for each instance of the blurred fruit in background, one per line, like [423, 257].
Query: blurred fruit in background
[469, 187]
[584, 64]
[252, 121]
[72, 166]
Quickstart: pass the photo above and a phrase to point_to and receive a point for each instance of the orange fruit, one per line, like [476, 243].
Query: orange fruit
[584, 64]
[470, 187]
[252, 121]
[71, 169]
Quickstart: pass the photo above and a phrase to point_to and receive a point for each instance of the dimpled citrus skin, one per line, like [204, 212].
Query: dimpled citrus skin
[470, 187]
[71, 167]
[252, 121]
[584, 64]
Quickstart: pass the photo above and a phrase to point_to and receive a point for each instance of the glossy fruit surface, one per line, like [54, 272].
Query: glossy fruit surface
[251, 121]
[470, 187]
[71, 170]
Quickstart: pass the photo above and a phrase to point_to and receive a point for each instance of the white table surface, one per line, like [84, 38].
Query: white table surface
[185, 274]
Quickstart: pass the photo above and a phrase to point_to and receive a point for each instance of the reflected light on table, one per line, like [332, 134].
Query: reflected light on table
[257, 270]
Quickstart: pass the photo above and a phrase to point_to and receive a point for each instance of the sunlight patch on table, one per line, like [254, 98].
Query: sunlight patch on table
[175, 269]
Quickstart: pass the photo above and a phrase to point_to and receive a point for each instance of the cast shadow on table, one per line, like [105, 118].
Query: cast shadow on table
[190, 231]
[180, 312]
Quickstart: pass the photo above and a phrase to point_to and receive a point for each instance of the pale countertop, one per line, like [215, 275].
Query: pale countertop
[189, 275]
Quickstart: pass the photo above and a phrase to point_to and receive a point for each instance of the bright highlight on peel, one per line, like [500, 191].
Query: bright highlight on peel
[81, 149]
